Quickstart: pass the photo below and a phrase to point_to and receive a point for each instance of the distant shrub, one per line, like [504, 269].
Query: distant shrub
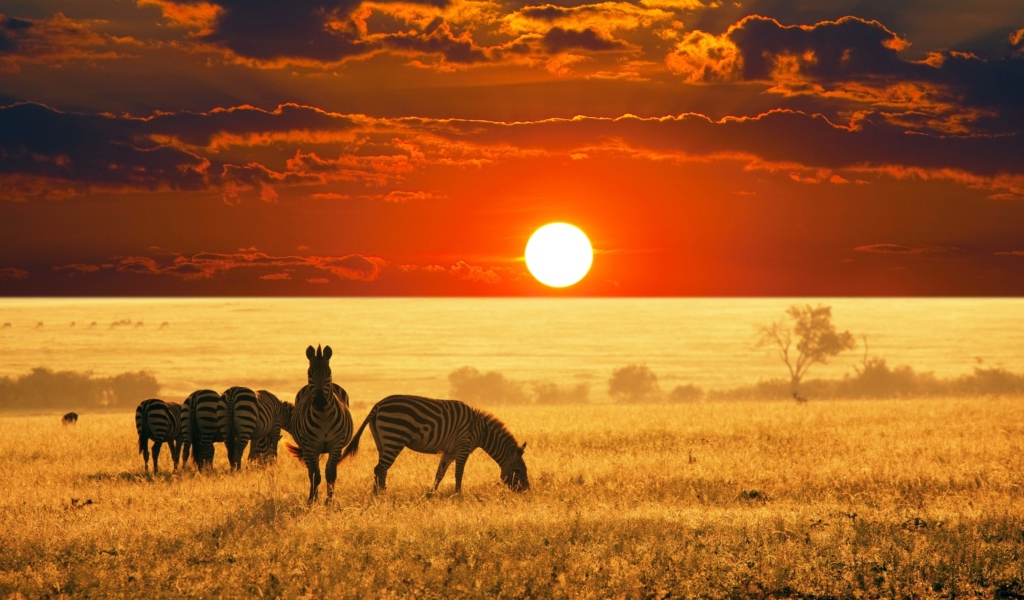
[43, 389]
[551, 394]
[685, 393]
[470, 385]
[634, 383]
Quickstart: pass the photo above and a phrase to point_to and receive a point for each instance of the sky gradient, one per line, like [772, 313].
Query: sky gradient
[261, 148]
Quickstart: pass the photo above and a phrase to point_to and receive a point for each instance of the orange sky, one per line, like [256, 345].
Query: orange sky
[239, 147]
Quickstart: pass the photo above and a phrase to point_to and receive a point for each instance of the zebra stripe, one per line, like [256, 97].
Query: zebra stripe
[207, 424]
[450, 428]
[320, 422]
[242, 415]
[161, 422]
[262, 426]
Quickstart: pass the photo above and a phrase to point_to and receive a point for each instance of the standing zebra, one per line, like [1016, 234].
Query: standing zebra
[320, 423]
[207, 424]
[450, 428]
[161, 422]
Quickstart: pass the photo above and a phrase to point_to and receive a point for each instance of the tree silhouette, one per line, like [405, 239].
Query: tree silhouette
[816, 340]
[634, 383]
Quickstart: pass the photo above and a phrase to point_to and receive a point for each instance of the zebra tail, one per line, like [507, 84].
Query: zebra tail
[193, 434]
[294, 450]
[144, 432]
[353, 446]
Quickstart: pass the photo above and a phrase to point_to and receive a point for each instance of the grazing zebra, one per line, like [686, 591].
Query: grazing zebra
[207, 424]
[320, 423]
[264, 449]
[258, 417]
[161, 422]
[240, 403]
[69, 419]
[450, 428]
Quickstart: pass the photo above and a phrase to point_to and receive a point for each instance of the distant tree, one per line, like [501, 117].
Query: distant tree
[634, 383]
[685, 393]
[816, 340]
[550, 393]
[470, 385]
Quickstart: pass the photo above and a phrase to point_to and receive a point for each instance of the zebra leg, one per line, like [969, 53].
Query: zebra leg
[442, 468]
[313, 465]
[460, 467]
[186, 449]
[380, 472]
[156, 456]
[240, 444]
[144, 447]
[331, 472]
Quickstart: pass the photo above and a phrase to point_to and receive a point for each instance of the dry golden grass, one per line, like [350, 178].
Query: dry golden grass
[718, 500]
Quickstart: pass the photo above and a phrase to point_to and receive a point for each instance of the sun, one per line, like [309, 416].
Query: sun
[559, 254]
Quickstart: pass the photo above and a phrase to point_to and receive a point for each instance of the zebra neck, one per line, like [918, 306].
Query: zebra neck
[496, 441]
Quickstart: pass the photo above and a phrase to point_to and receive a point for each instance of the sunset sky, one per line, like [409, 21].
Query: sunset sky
[313, 147]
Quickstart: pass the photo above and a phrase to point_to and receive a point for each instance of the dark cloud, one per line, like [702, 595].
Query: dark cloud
[900, 249]
[11, 273]
[91, 150]
[208, 265]
[270, 31]
[559, 40]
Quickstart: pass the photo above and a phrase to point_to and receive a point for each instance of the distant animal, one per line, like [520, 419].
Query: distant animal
[139, 324]
[450, 428]
[39, 324]
[800, 399]
[207, 425]
[72, 324]
[69, 419]
[160, 422]
[6, 326]
[93, 324]
[320, 423]
[165, 325]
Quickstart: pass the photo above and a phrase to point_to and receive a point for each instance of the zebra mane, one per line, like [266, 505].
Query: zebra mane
[495, 423]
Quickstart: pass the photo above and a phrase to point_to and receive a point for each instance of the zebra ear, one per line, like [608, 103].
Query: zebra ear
[328, 352]
[310, 353]
[522, 449]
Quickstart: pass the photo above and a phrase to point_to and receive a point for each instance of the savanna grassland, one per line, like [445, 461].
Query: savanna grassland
[843, 499]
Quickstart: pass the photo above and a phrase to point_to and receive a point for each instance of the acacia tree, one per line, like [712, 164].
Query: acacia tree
[816, 340]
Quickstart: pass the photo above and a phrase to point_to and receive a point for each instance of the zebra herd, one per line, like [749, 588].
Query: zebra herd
[320, 423]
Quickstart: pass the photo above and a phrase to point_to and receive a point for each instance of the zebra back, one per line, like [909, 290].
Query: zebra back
[157, 420]
[206, 423]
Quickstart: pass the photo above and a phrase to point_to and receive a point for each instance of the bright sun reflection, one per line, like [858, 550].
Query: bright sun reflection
[559, 254]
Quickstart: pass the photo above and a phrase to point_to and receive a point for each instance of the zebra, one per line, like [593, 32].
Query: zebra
[257, 418]
[161, 422]
[320, 423]
[450, 428]
[69, 419]
[241, 406]
[207, 424]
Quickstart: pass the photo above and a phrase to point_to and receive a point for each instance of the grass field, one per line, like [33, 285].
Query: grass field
[858, 499]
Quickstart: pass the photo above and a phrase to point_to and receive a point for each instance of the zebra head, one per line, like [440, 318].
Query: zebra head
[320, 373]
[513, 471]
[284, 416]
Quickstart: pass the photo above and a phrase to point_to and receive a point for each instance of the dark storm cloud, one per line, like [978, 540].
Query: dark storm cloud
[559, 40]
[438, 39]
